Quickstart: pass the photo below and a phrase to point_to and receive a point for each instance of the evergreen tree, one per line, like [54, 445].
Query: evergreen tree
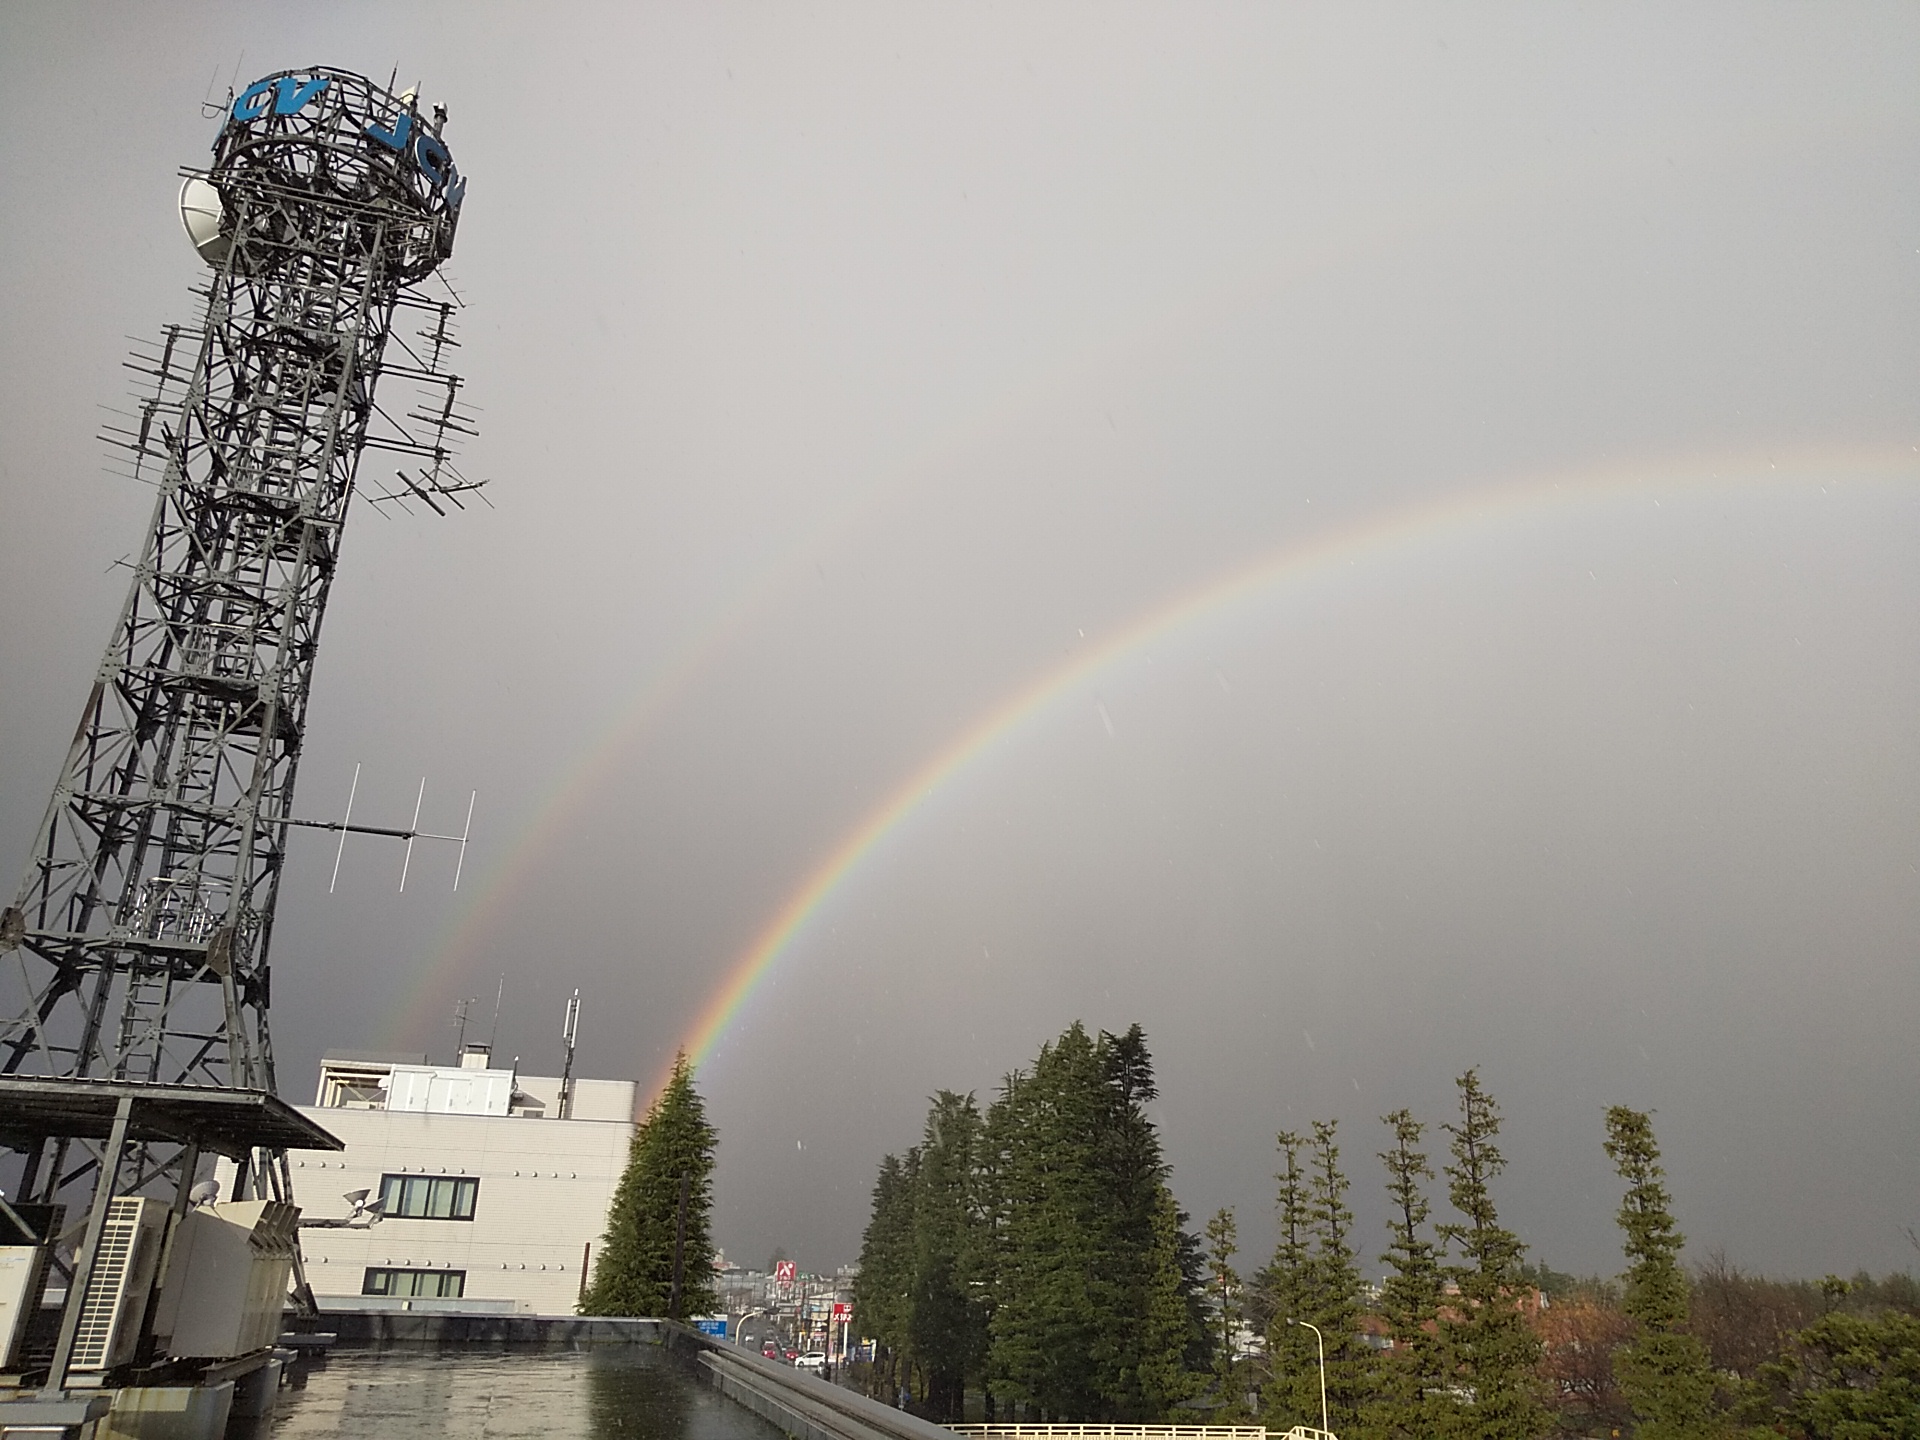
[1193, 1285]
[1293, 1390]
[883, 1290]
[1175, 1345]
[983, 1263]
[1847, 1377]
[1490, 1347]
[1223, 1243]
[1048, 1326]
[1335, 1298]
[945, 1331]
[1095, 1313]
[1411, 1399]
[1663, 1371]
[1154, 1318]
[671, 1154]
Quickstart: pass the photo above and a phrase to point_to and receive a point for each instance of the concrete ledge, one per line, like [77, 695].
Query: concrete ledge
[381, 1329]
[804, 1406]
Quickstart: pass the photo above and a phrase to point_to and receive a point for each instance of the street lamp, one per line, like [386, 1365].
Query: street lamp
[740, 1329]
[1321, 1341]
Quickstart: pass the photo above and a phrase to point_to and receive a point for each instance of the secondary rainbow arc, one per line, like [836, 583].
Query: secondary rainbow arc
[1338, 547]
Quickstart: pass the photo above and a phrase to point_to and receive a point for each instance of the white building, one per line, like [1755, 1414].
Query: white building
[494, 1199]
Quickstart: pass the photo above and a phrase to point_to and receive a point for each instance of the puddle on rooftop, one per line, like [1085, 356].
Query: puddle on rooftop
[464, 1395]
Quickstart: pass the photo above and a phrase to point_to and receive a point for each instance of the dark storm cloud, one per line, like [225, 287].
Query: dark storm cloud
[876, 360]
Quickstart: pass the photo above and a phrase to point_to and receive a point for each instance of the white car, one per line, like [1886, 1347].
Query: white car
[813, 1360]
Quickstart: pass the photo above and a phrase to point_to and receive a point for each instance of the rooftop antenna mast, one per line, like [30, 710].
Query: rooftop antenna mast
[498, 995]
[460, 1009]
[569, 1032]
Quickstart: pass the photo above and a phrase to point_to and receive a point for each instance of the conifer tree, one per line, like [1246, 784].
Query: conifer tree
[1154, 1316]
[1175, 1346]
[1095, 1313]
[945, 1333]
[1048, 1331]
[1489, 1344]
[1334, 1303]
[883, 1290]
[1223, 1243]
[671, 1153]
[1293, 1390]
[1663, 1371]
[1411, 1399]
[983, 1263]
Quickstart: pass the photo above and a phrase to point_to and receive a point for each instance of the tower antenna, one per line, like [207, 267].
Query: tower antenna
[460, 1009]
[569, 1032]
[134, 955]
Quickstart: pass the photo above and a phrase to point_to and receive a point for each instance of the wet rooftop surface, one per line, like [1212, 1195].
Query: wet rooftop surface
[460, 1395]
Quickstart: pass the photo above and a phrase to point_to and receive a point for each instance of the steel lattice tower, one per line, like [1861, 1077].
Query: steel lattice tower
[137, 947]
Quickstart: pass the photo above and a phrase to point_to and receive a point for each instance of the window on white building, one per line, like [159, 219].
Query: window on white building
[423, 1284]
[422, 1197]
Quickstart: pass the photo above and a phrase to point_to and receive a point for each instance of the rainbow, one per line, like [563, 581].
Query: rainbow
[1373, 539]
[501, 883]
[1229, 293]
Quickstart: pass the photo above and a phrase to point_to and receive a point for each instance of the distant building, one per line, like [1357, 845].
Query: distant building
[491, 1199]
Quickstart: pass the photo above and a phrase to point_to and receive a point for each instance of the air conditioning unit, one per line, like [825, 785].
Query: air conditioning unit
[226, 1281]
[117, 1290]
[23, 1272]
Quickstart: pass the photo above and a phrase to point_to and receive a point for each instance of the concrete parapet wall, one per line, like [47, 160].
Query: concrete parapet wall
[803, 1405]
[379, 1329]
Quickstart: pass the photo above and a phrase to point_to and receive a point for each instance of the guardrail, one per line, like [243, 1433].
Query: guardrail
[1115, 1432]
[805, 1406]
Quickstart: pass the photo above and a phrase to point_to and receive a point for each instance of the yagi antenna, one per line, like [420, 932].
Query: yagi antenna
[341, 849]
[412, 833]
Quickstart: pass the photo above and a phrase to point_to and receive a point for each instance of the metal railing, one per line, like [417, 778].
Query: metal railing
[1125, 1432]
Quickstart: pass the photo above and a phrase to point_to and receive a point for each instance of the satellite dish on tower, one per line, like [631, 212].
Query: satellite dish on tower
[202, 212]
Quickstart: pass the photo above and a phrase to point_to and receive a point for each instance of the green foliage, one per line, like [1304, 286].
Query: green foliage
[1663, 1371]
[1176, 1344]
[1315, 1281]
[1490, 1348]
[1093, 1317]
[946, 1331]
[883, 1290]
[1047, 1329]
[1223, 1243]
[1411, 1396]
[1292, 1393]
[1037, 1251]
[1849, 1377]
[1336, 1281]
[634, 1272]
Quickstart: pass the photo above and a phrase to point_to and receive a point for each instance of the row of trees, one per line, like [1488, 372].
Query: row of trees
[1836, 1357]
[1444, 1347]
[1034, 1252]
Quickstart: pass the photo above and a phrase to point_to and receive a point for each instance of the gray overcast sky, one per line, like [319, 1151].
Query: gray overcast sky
[846, 372]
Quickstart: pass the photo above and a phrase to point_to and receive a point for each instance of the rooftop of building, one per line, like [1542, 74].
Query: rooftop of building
[405, 1082]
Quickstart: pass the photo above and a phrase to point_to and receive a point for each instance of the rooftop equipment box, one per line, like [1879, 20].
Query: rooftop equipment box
[23, 1271]
[226, 1280]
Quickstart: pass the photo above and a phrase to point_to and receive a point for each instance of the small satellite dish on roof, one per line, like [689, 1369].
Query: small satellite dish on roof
[205, 1193]
[202, 212]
